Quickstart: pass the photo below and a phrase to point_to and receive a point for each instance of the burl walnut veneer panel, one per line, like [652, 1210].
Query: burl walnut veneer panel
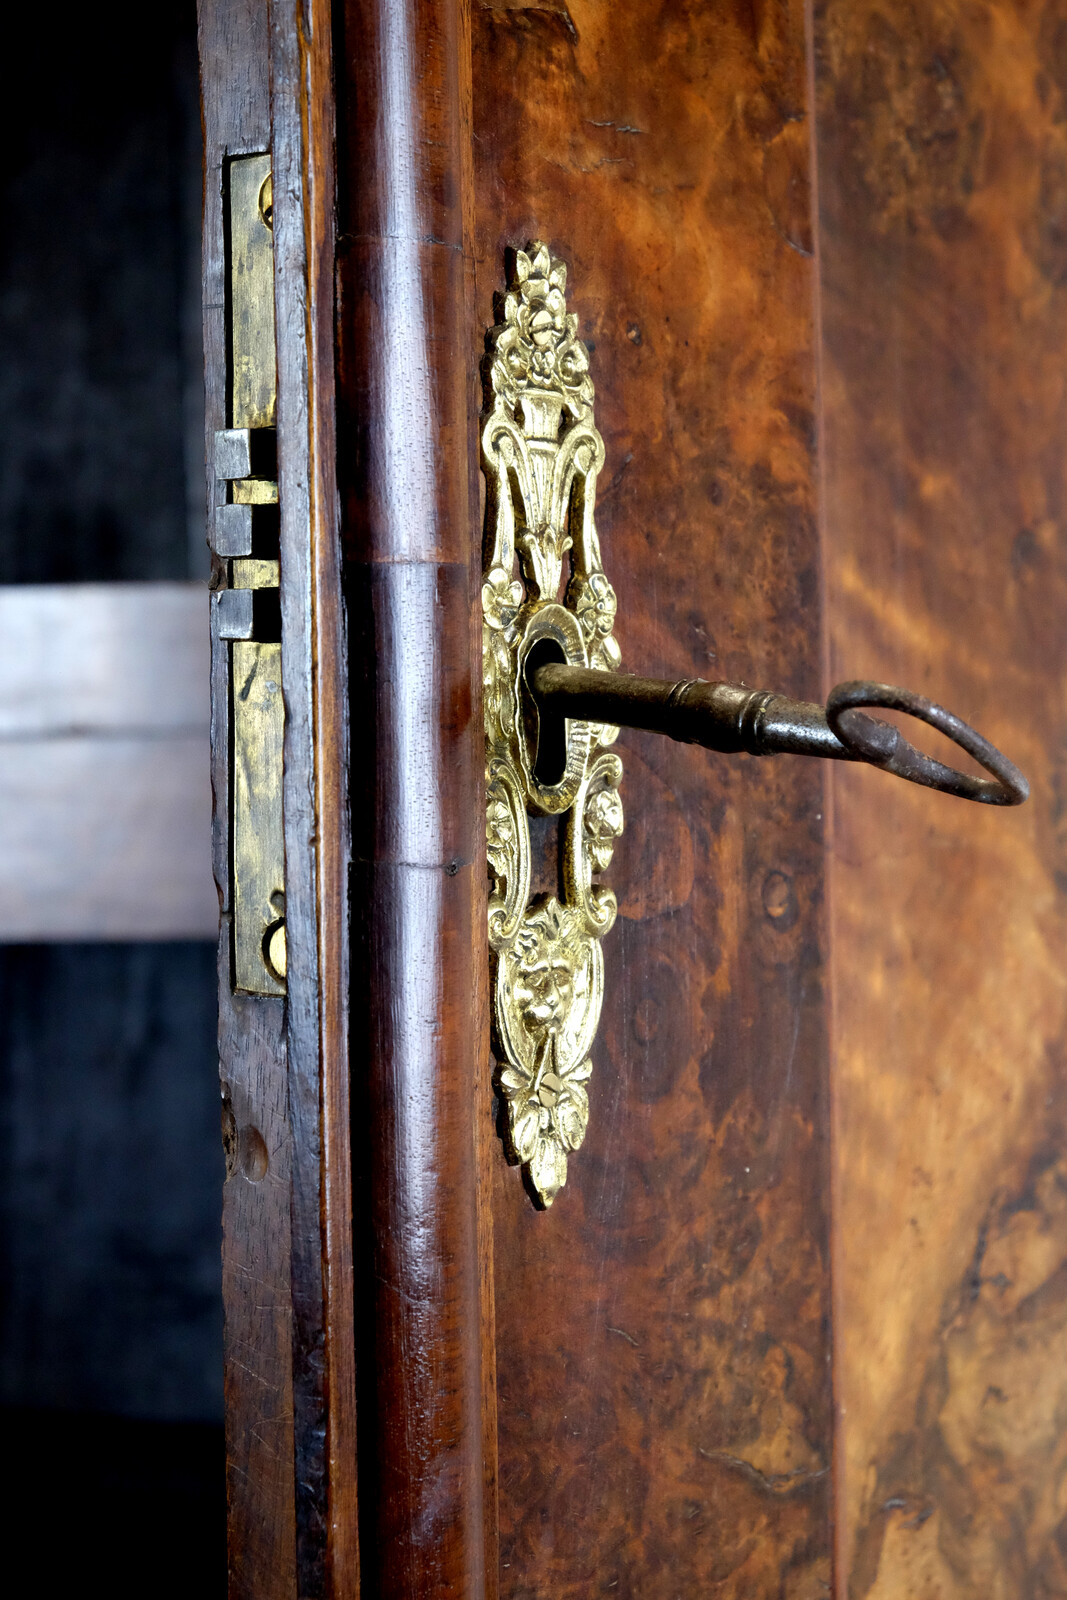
[662, 1338]
[943, 184]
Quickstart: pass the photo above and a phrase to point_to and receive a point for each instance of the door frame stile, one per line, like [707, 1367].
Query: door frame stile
[419, 994]
[317, 833]
[256, 1229]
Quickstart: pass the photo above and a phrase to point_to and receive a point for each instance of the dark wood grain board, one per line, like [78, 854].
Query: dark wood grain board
[943, 183]
[256, 1211]
[317, 841]
[662, 1333]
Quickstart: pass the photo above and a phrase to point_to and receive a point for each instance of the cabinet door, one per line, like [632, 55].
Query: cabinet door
[630, 1390]
[437, 1385]
[662, 1334]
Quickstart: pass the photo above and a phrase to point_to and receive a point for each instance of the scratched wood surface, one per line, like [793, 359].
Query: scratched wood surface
[256, 1209]
[317, 846]
[287, 1257]
[943, 182]
[662, 1339]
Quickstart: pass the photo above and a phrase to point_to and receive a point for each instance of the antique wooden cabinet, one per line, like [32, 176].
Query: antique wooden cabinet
[795, 1324]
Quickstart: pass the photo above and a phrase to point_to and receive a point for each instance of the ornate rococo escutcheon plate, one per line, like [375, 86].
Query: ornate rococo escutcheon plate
[541, 454]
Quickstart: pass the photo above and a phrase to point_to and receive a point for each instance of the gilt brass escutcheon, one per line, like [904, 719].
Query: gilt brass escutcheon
[541, 454]
[554, 702]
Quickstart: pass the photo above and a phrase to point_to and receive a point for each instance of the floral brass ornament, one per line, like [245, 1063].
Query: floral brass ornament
[541, 454]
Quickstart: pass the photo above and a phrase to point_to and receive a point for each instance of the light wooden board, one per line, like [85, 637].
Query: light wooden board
[105, 795]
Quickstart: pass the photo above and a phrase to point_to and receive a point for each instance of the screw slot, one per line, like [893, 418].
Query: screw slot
[266, 201]
[274, 950]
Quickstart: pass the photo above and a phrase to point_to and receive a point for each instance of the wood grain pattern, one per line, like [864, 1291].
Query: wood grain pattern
[662, 1333]
[317, 840]
[257, 1294]
[943, 182]
[256, 1207]
[418, 889]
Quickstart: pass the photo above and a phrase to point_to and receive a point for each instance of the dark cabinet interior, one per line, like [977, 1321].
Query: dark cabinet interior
[110, 1161]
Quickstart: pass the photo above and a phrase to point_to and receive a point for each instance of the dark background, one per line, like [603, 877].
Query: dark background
[110, 1159]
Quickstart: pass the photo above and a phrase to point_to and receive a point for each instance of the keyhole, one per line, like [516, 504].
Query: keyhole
[547, 728]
